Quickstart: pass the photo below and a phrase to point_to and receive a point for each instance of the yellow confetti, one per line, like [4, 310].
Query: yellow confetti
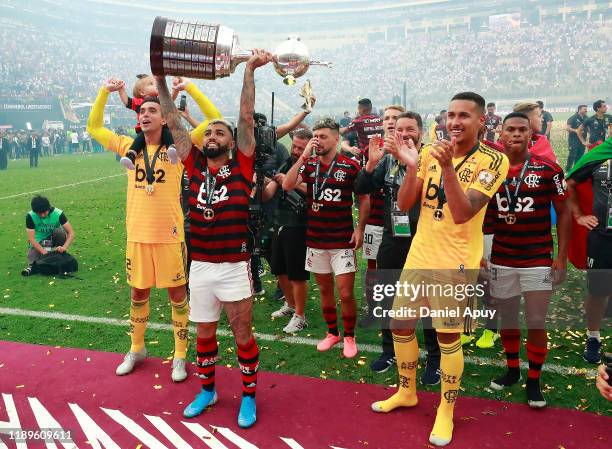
[156, 376]
[138, 446]
[157, 387]
[19, 386]
[52, 282]
[569, 387]
[51, 306]
[88, 359]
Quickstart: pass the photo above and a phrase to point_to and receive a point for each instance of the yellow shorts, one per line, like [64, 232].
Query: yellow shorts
[446, 296]
[160, 265]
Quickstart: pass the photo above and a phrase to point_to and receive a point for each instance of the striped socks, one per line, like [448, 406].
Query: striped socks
[207, 355]
[248, 361]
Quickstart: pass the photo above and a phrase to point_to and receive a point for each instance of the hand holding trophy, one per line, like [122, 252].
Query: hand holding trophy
[211, 51]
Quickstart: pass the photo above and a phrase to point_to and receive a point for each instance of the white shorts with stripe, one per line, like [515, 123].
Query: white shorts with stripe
[337, 261]
[212, 284]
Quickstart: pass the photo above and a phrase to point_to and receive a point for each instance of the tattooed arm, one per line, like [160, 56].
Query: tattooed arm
[246, 124]
[181, 137]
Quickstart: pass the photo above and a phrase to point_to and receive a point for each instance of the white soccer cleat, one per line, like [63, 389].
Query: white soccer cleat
[130, 361]
[179, 371]
[285, 310]
[296, 324]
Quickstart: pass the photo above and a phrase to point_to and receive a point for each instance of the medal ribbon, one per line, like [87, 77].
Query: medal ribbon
[316, 188]
[513, 200]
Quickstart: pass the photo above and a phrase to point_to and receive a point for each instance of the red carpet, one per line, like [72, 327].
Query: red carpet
[294, 412]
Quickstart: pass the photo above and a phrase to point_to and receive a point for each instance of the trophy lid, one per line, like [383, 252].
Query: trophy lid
[292, 59]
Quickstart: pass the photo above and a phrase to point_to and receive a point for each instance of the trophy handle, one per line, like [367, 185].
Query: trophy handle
[321, 63]
[239, 55]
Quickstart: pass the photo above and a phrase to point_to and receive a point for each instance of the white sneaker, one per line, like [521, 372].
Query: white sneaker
[172, 155]
[127, 163]
[285, 310]
[130, 360]
[179, 372]
[296, 324]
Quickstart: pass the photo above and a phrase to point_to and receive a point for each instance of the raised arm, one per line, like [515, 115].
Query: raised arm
[95, 122]
[246, 123]
[207, 107]
[181, 137]
[298, 118]
[125, 99]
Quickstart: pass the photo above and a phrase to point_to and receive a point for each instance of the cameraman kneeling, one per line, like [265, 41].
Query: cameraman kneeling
[288, 256]
[48, 230]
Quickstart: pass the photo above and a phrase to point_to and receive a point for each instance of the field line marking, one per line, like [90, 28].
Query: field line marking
[44, 189]
[474, 360]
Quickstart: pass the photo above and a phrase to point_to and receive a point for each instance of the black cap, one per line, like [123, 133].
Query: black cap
[365, 102]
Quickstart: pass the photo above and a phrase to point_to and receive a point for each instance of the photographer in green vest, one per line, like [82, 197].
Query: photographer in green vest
[48, 230]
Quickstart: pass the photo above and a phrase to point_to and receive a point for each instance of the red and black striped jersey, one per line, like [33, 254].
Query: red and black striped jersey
[528, 241]
[441, 131]
[492, 121]
[366, 127]
[377, 208]
[134, 104]
[331, 226]
[225, 237]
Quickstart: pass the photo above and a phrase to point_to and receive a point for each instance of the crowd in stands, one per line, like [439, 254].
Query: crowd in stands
[531, 61]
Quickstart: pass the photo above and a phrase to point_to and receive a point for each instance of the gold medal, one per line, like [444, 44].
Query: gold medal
[438, 215]
[149, 189]
[209, 214]
[510, 219]
[316, 207]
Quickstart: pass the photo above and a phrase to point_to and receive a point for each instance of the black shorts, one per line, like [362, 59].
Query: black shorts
[599, 261]
[288, 254]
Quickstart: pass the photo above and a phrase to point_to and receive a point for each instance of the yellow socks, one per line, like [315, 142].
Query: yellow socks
[451, 368]
[180, 321]
[139, 316]
[407, 355]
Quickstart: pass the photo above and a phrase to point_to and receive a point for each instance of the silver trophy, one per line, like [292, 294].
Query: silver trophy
[211, 51]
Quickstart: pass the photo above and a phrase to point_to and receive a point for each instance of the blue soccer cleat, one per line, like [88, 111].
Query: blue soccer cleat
[248, 412]
[199, 404]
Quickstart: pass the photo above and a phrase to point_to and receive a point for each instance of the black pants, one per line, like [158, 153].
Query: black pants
[34, 158]
[3, 159]
[575, 153]
[391, 258]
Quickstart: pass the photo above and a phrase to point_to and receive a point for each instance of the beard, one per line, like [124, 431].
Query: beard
[322, 151]
[213, 153]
